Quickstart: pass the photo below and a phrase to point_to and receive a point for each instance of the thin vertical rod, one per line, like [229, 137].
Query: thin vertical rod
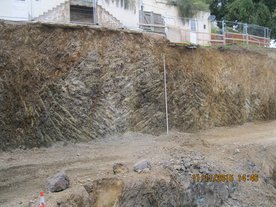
[166, 98]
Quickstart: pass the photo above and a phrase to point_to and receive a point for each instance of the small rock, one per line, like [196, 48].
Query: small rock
[200, 200]
[179, 168]
[78, 154]
[251, 166]
[204, 169]
[196, 166]
[119, 168]
[146, 170]
[31, 203]
[58, 182]
[237, 151]
[142, 166]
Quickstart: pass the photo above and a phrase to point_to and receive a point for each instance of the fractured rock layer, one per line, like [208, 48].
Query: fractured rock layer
[70, 83]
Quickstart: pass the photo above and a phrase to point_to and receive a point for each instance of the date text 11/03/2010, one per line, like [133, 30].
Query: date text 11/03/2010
[225, 177]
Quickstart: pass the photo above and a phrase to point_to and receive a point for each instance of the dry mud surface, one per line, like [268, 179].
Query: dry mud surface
[246, 149]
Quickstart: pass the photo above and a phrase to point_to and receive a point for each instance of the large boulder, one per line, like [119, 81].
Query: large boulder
[58, 182]
[142, 166]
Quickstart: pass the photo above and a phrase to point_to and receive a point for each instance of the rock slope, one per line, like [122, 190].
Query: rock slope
[60, 82]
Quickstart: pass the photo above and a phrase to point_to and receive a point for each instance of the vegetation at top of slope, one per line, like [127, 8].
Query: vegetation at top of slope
[188, 8]
[260, 12]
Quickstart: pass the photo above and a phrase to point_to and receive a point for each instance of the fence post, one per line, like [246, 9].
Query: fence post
[223, 32]
[246, 32]
[152, 21]
[141, 16]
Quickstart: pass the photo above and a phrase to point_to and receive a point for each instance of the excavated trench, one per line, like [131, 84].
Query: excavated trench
[175, 189]
[75, 83]
[114, 192]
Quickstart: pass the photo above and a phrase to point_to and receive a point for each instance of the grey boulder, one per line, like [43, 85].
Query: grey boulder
[142, 166]
[58, 182]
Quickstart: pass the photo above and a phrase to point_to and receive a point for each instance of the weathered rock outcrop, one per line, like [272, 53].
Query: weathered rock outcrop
[61, 82]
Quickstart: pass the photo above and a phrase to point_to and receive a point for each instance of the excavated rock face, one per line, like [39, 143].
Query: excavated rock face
[111, 192]
[162, 193]
[77, 83]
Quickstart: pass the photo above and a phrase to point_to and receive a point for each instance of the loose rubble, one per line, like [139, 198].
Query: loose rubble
[119, 168]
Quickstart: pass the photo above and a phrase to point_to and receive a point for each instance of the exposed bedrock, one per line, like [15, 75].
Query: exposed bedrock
[75, 83]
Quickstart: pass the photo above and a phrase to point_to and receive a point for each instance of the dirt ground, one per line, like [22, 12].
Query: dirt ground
[246, 149]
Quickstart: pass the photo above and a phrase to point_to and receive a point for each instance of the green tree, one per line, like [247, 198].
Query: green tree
[219, 7]
[240, 10]
[271, 4]
[273, 25]
[262, 15]
[260, 12]
[189, 8]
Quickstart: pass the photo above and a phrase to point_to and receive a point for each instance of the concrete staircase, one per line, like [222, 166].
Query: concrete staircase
[105, 19]
[60, 13]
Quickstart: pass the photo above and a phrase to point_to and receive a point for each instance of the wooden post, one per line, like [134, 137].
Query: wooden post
[166, 98]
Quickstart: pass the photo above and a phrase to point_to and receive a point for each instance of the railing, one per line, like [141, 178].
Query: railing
[212, 39]
[236, 38]
[223, 34]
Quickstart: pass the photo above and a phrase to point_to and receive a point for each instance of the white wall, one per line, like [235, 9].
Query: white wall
[26, 9]
[273, 43]
[38, 7]
[177, 29]
[161, 7]
[14, 10]
[128, 17]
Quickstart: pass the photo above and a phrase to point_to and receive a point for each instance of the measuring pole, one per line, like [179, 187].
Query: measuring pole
[166, 98]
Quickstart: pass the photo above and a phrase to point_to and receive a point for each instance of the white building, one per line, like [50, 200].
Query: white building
[148, 15]
[22, 10]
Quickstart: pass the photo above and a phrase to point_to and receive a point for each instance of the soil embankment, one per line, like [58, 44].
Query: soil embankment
[60, 83]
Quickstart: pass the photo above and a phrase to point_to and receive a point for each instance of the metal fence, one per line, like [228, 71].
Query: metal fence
[229, 32]
[208, 33]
